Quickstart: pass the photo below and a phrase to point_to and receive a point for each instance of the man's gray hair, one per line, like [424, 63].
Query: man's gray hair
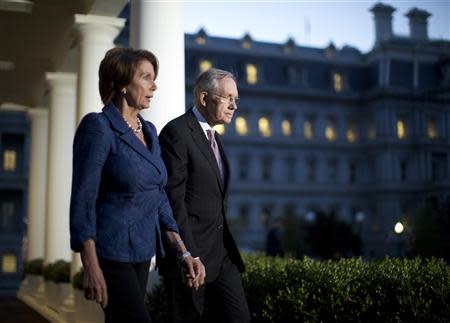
[207, 81]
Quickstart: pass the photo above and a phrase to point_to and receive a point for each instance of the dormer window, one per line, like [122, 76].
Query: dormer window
[289, 46]
[246, 41]
[330, 51]
[200, 39]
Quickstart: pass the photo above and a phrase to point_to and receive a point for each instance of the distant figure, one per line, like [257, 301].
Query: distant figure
[273, 242]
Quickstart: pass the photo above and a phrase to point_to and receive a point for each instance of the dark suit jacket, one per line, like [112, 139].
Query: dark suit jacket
[196, 194]
[118, 197]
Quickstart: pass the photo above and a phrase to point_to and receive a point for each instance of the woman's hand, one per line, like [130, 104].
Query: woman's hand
[93, 283]
[193, 270]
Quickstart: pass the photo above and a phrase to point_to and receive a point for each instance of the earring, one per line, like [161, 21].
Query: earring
[124, 91]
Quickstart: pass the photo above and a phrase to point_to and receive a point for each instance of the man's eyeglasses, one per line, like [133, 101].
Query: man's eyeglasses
[227, 99]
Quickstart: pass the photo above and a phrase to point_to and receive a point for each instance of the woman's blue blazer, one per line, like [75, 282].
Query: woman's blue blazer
[118, 196]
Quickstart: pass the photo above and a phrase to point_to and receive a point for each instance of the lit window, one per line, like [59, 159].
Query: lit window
[9, 263]
[372, 131]
[265, 128]
[352, 133]
[252, 73]
[9, 160]
[432, 129]
[204, 65]
[241, 126]
[220, 128]
[401, 128]
[200, 40]
[308, 129]
[338, 82]
[246, 44]
[330, 130]
[286, 127]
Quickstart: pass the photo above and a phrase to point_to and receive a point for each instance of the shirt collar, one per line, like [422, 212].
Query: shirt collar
[202, 121]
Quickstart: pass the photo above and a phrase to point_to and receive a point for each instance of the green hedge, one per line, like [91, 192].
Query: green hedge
[347, 290]
[58, 272]
[34, 267]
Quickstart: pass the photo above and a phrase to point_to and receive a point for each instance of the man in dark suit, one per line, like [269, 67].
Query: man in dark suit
[197, 188]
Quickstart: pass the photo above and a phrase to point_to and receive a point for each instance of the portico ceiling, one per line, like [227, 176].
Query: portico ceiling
[38, 37]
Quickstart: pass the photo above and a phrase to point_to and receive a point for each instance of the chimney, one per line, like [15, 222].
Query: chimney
[418, 24]
[383, 21]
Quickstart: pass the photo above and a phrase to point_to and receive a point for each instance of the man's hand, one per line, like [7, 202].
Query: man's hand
[193, 272]
[200, 272]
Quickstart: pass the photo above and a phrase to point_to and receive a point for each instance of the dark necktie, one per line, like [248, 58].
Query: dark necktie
[215, 149]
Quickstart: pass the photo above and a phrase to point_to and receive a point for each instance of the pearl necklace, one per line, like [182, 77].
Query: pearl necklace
[136, 130]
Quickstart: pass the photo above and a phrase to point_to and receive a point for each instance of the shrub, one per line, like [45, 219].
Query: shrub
[58, 272]
[346, 290]
[34, 267]
[157, 303]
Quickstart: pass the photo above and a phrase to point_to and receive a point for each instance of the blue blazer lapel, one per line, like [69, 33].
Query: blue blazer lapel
[127, 135]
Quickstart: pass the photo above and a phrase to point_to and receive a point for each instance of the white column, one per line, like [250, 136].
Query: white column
[156, 26]
[95, 37]
[61, 132]
[38, 183]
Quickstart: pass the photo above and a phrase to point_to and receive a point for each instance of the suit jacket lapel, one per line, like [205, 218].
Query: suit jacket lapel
[226, 164]
[127, 135]
[203, 144]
